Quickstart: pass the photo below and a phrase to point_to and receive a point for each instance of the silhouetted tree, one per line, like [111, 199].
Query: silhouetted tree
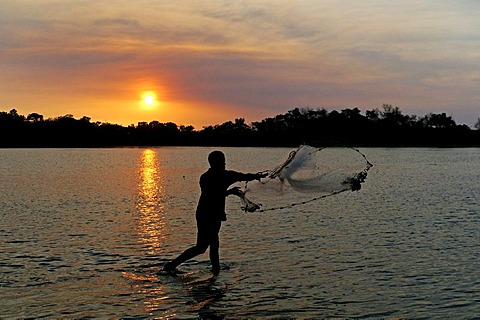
[477, 124]
[432, 120]
[187, 129]
[389, 127]
[34, 117]
[392, 115]
[373, 115]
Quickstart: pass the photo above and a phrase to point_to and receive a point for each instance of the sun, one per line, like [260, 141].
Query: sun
[149, 100]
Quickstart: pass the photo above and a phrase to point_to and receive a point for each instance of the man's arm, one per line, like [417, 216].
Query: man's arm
[235, 191]
[235, 176]
[248, 176]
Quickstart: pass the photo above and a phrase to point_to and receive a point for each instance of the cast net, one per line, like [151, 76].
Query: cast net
[308, 174]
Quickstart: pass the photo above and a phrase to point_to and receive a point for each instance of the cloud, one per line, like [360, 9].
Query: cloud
[256, 55]
[117, 22]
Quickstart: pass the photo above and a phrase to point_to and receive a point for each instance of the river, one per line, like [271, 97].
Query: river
[84, 231]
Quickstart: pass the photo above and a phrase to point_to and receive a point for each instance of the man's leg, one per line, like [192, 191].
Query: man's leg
[214, 248]
[201, 246]
[186, 255]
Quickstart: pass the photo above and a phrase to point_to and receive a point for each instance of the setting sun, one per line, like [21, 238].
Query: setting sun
[149, 100]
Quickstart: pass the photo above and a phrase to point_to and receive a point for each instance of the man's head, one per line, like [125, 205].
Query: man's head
[216, 159]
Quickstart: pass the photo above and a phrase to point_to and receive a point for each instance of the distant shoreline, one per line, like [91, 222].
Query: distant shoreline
[316, 127]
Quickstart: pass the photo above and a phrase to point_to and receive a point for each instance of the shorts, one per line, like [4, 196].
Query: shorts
[207, 232]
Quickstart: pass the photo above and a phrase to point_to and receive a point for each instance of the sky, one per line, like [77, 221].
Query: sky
[208, 62]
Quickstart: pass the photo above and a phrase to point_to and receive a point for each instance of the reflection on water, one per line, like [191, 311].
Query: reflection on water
[148, 285]
[152, 225]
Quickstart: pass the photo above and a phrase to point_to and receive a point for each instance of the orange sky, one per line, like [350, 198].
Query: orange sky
[212, 61]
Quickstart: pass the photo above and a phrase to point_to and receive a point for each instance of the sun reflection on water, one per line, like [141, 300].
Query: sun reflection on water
[150, 204]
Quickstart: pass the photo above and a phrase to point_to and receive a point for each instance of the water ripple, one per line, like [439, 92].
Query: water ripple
[85, 233]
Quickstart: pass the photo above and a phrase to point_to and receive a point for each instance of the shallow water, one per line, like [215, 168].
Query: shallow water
[82, 229]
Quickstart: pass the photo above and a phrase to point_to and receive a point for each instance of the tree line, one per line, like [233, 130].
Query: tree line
[385, 127]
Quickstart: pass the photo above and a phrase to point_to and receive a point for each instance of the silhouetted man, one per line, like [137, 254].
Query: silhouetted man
[210, 212]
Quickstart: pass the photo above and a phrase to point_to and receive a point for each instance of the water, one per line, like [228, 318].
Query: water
[81, 228]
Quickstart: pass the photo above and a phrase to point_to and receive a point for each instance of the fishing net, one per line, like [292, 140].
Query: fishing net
[308, 174]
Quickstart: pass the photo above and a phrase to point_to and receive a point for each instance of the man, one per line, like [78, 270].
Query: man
[210, 212]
